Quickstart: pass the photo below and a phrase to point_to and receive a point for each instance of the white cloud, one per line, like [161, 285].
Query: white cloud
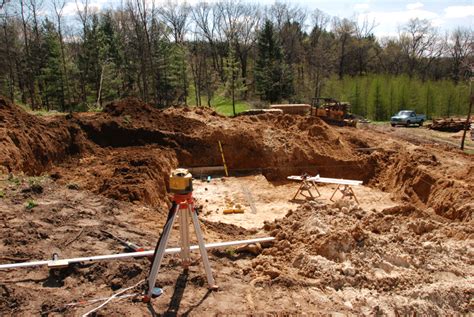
[361, 6]
[414, 6]
[70, 8]
[390, 21]
[456, 12]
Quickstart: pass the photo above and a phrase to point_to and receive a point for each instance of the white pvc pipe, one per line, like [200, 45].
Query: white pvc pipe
[132, 254]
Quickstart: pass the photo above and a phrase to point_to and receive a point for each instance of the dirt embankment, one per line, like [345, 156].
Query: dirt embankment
[415, 257]
[403, 258]
[31, 145]
[276, 144]
[127, 151]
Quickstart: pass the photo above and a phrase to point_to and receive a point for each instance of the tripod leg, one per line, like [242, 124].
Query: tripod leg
[184, 235]
[202, 249]
[160, 252]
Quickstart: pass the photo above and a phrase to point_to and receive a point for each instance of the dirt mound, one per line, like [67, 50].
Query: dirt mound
[418, 177]
[115, 145]
[30, 144]
[276, 145]
[133, 112]
[388, 254]
[130, 174]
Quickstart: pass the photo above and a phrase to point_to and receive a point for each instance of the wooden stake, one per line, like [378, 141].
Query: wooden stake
[223, 159]
[468, 119]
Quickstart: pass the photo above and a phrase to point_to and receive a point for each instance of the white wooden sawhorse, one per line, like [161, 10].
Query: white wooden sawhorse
[343, 185]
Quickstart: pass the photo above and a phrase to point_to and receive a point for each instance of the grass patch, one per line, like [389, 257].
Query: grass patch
[127, 119]
[36, 180]
[231, 252]
[2, 194]
[14, 180]
[223, 106]
[221, 103]
[30, 204]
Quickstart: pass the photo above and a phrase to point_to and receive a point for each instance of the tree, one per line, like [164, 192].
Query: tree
[7, 55]
[365, 45]
[344, 30]
[319, 52]
[177, 18]
[420, 45]
[51, 74]
[234, 83]
[273, 79]
[461, 49]
[378, 106]
[58, 6]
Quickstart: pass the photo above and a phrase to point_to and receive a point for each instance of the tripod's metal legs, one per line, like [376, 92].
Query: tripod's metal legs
[184, 235]
[202, 249]
[160, 252]
[184, 211]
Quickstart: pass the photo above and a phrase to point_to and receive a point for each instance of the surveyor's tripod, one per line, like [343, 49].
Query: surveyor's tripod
[183, 204]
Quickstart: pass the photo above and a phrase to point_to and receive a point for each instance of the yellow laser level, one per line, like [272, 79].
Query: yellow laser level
[181, 181]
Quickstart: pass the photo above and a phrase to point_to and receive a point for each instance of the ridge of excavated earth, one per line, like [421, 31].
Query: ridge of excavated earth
[88, 172]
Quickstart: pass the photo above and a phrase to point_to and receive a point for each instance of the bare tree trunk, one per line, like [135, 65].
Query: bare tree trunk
[29, 74]
[466, 126]
[11, 79]
[58, 8]
[99, 91]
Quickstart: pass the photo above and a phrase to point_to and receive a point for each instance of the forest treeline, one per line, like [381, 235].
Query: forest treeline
[173, 53]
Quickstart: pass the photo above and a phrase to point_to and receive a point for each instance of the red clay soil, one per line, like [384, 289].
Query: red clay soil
[127, 151]
[415, 257]
[29, 144]
[275, 145]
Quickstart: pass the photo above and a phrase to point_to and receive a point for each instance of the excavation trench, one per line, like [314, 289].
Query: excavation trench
[127, 152]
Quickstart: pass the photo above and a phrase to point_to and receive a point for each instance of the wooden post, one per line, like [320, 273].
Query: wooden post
[468, 119]
[223, 159]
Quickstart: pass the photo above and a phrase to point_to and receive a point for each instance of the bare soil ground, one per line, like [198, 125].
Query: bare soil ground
[406, 248]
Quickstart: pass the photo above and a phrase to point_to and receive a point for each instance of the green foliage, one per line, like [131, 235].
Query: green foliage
[36, 180]
[127, 119]
[2, 194]
[94, 107]
[157, 57]
[30, 204]
[380, 96]
[223, 105]
[231, 252]
[14, 180]
[273, 78]
[51, 74]
[234, 86]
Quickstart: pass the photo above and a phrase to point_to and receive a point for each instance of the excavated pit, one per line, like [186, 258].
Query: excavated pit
[405, 249]
[127, 151]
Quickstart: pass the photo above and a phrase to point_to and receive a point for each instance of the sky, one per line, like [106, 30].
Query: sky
[388, 15]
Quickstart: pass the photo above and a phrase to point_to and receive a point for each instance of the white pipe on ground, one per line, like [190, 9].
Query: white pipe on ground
[131, 254]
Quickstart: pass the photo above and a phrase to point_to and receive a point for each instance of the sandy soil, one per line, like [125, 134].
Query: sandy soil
[271, 200]
[406, 249]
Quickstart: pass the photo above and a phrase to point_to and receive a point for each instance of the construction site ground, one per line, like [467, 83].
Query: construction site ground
[67, 180]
